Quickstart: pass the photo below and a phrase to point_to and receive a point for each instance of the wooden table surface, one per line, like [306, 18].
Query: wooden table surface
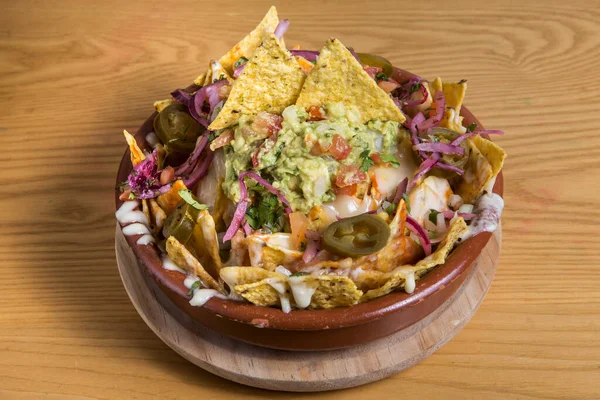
[73, 74]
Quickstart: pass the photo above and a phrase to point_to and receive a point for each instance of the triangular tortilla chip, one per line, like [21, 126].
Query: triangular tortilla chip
[136, 154]
[247, 46]
[484, 163]
[185, 260]
[339, 78]
[205, 245]
[454, 93]
[162, 104]
[200, 80]
[271, 81]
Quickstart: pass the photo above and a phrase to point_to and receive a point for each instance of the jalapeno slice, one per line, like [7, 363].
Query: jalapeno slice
[177, 128]
[444, 135]
[373, 60]
[356, 236]
[181, 222]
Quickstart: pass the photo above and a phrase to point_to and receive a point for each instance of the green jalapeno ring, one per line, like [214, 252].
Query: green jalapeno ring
[356, 236]
[181, 222]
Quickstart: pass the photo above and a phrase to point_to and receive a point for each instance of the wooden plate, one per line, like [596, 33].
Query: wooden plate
[307, 371]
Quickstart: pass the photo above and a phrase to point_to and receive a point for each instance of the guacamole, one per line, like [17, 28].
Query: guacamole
[304, 158]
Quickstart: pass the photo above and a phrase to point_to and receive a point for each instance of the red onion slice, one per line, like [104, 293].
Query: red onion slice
[462, 138]
[182, 96]
[423, 169]
[267, 186]
[443, 148]
[448, 167]
[200, 170]
[236, 222]
[400, 190]
[184, 168]
[312, 235]
[309, 55]
[282, 27]
[440, 108]
[420, 233]
[419, 102]
[310, 253]
[238, 71]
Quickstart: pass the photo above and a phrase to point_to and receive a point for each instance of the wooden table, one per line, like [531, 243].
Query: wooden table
[73, 74]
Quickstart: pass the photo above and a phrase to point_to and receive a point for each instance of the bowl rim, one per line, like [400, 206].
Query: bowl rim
[435, 280]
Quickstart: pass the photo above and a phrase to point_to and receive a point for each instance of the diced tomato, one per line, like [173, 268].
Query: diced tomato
[222, 140]
[339, 147]
[349, 175]
[267, 144]
[348, 190]
[299, 225]
[388, 86]
[372, 71]
[376, 158]
[315, 113]
[266, 123]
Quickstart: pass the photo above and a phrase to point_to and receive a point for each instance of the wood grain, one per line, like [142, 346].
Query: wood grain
[73, 74]
[298, 371]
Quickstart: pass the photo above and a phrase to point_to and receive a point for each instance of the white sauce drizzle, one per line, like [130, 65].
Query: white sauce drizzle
[189, 281]
[283, 270]
[152, 139]
[136, 229]
[127, 214]
[201, 296]
[169, 265]
[302, 291]
[145, 240]
[279, 286]
[409, 282]
[488, 211]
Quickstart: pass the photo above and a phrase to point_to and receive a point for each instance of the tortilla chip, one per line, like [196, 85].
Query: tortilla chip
[199, 81]
[158, 215]
[238, 255]
[457, 228]
[146, 210]
[185, 260]
[247, 46]
[270, 82]
[169, 200]
[339, 78]
[397, 278]
[260, 294]
[485, 162]
[234, 276]
[162, 104]
[331, 291]
[215, 73]
[204, 244]
[136, 154]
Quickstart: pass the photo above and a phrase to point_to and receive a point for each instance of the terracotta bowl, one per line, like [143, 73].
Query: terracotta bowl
[312, 329]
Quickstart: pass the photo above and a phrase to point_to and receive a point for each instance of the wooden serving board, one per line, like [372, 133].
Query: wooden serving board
[307, 371]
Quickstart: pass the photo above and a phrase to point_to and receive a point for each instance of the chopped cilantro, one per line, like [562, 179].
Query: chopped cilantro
[391, 209]
[175, 139]
[433, 138]
[407, 200]
[366, 163]
[472, 127]
[212, 136]
[391, 159]
[433, 215]
[267, 214]
[240, 61]
[131, 196]
[302, 246]
[300, 273]
[188, 197]
[380, 76]
[195, 285]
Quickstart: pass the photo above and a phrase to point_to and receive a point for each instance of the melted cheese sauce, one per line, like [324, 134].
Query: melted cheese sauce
[345, 206]
[169, 265]
[302, 291]
[432, 194]
[488, 211]
[279, 286]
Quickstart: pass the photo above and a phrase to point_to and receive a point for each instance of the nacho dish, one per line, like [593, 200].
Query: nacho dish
[302, 179]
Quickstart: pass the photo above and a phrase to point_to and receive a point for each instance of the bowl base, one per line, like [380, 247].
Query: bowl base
[302, 371]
